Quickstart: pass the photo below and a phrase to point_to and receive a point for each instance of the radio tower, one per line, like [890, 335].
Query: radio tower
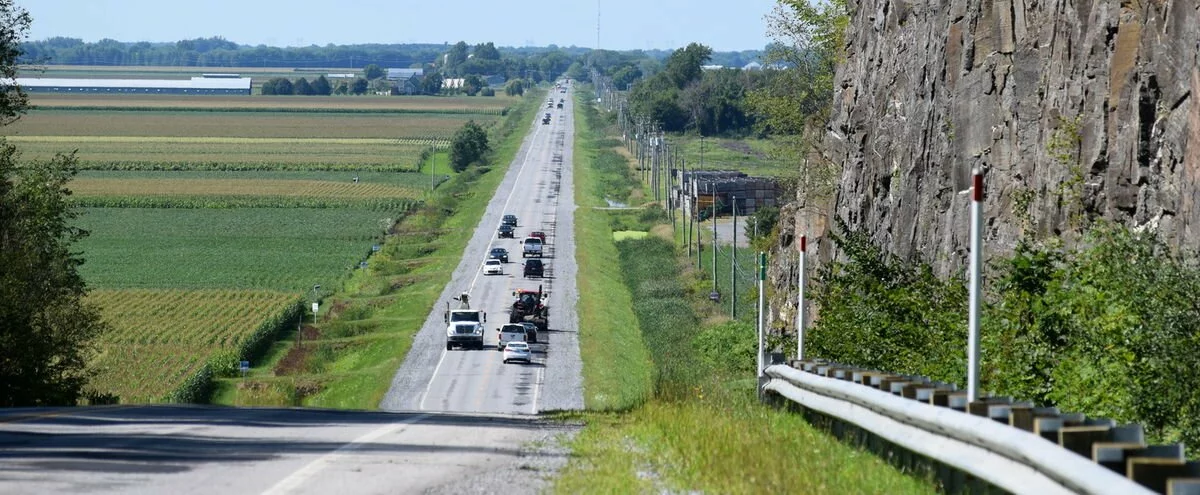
[597, 25]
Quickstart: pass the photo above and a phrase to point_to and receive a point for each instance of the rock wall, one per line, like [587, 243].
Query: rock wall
[1074, 110]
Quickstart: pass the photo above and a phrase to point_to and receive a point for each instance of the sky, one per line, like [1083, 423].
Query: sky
[724, 25]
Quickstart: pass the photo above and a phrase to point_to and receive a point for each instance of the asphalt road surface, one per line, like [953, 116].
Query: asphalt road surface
[538, 189]
[270, 451]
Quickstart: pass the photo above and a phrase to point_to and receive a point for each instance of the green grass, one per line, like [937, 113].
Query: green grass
[616, 364]
[366, 329]
[695, 424]
[286, 249]
[752, 156]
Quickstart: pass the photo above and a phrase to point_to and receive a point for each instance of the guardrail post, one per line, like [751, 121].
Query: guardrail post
[976, 280]
[762, 275]
[800, 314]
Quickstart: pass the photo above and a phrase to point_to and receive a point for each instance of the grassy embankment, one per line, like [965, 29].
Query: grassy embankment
[364, 331]
[669, 385]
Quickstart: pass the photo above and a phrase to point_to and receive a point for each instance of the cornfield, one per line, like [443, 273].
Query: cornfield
[160, 337]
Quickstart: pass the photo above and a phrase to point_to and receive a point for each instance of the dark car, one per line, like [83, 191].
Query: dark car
[534, 268]
[506, 231]
[509, 220]
[499, 254]
[530, 332]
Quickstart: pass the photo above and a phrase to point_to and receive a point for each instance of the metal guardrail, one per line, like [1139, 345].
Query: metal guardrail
[1013, 446]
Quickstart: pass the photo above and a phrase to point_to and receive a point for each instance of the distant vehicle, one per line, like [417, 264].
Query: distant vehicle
[509, 333]
[532, 248]
[539, 234]
[517, 351]
[509, 220]
[560, 104]
[493, 267]
[534, 268]
[531, 331]
[499, 254]
[506, 231]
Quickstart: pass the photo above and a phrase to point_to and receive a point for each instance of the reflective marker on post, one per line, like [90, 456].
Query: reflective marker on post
[974, 288]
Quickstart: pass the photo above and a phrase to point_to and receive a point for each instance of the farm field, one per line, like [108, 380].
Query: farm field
[164, 336]
[241, 124]
[450, 104]
[209, 217]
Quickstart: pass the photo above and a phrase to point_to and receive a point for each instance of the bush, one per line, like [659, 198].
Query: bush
[487, 92]
[1108, 329]
[469, 145]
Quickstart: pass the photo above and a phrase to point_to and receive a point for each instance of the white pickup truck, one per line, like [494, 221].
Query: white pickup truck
[532, 247]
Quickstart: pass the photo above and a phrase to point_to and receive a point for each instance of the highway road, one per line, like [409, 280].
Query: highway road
[454, 421]
[538, 188]
[269, 451]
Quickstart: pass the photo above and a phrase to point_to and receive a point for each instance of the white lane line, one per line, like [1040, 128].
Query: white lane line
[488, 249]
[538, 385]
[297, 478]
[436, 369]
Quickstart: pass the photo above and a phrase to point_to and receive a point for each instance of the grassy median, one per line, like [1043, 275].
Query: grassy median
[667, 412]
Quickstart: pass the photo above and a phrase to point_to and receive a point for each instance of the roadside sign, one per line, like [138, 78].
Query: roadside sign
[244, 366]
[316, 306]
[375, 247]
[363, 265]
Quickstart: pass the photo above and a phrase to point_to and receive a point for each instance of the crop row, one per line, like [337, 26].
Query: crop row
[297, 110]
[262, 188]
[242, 125]
[386, 205]
[417, 141]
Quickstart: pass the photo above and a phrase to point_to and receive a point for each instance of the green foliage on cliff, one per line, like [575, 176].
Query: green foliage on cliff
[1108, 329]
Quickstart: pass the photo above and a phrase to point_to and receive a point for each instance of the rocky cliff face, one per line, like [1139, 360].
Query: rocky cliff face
[1073, 109]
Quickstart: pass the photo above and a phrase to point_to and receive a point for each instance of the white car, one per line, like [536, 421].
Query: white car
[493, 267]
[517, 351]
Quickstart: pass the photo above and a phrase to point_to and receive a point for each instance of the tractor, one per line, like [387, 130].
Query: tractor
[530, 306]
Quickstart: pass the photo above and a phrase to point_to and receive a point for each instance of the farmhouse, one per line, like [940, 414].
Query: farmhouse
[221, 85]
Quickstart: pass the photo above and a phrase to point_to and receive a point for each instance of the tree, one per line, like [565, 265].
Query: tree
[469, 145]
[625, 76]
[283, 86]
[577, 72]
[514, 88]
[373, 71]
[431, 84]
[46, 327]
[320, 86]
[342, 88]
[14, 28]
[303, 87]
[455, 57]
[472, 84]
[486, 51]
[359, 86]
[686, 64]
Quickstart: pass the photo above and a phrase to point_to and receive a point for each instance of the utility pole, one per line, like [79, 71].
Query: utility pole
[714, 242]
[733, 265]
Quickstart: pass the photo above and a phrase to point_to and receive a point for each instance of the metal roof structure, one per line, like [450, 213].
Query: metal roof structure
[196, 84]
[394, 74]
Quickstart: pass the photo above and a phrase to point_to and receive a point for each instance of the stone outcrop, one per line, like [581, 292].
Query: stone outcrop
[1074, 110]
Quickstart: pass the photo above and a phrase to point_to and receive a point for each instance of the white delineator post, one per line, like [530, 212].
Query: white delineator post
[975, 287]
[800, 313]
[762, 275]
